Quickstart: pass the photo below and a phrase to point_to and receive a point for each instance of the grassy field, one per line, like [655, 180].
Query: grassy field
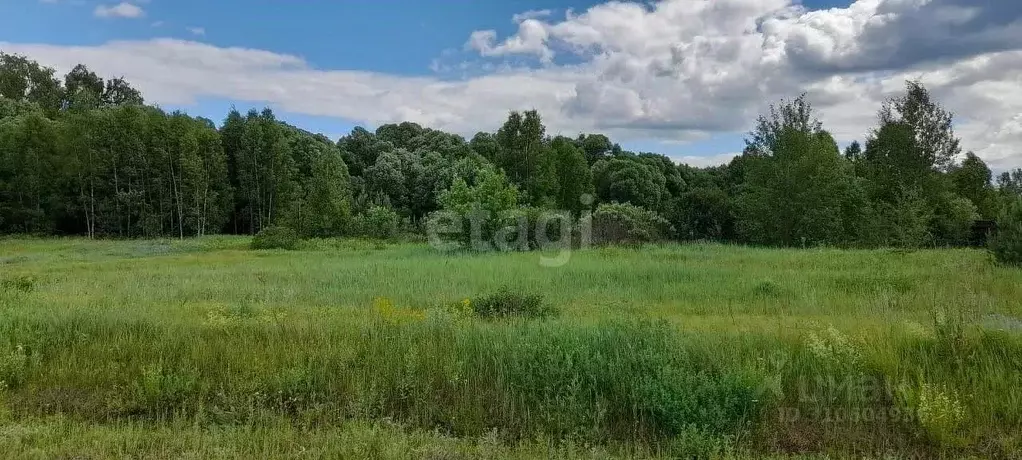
[205, 349]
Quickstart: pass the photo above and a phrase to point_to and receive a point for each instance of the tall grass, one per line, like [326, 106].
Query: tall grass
[685, 351]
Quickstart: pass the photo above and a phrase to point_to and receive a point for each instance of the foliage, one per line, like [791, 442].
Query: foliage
[275, 238]
[378, 222]
[574, 178]
[629, 224]
[973, 180]
[629, 180]
[508, 303]
[1006, 244]
[932, 126]
[703, 213]
[798, 189]
[526, 158]
[473, 215]
[84, 155]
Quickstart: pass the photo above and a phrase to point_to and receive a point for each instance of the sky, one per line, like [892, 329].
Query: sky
[685, 78]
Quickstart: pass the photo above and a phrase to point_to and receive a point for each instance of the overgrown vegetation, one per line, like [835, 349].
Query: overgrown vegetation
[696, 350]
[275, 238]
[1006, 245]
[507, 303]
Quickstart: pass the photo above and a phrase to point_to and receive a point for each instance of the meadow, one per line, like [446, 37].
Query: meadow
[204, 348]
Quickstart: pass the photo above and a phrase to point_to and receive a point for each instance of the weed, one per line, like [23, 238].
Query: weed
[507, 303]
[23, 283]
[275, 238]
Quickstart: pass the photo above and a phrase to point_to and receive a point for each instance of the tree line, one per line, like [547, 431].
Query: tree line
[86, 156]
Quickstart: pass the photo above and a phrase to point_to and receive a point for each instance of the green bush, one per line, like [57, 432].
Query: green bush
[507, 303]
[1006, 245]
[275, 238]
[378, 222]
[557, 227]
[623, 223]
[492, 202]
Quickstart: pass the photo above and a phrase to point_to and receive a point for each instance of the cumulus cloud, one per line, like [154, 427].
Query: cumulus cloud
[675, 70]
[120, 10]
[200, 31]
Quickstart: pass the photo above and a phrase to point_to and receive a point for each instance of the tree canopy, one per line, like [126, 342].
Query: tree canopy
[84, 155]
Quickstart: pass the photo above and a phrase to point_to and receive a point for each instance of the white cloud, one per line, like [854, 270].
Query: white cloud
[200, 31]
[120, 10]
[531, 39]
[531, 14]
[675, 70]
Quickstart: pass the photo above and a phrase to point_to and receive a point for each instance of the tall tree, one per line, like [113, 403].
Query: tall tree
[798, 187]
[24, 80]
[574, 178]
[525, 158]
[931, 124]
[83, 89]
[595, 147]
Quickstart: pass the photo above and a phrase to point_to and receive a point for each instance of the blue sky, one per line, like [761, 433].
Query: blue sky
[410, 42]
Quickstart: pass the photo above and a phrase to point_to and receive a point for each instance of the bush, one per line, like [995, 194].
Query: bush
[275, 238]
[557, 227]
[623, 223]
[1006, 245]
[378, 222]
[506, 303]
[492, 203]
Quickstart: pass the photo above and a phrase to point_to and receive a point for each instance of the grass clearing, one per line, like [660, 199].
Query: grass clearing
[203, 348]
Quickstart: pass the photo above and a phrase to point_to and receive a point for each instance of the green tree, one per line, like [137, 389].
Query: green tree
[1006, 245]
[24, 80]
[574, 178]
[798, 188]
[627, 179]
[595, 147]
[28, 159]
[360, 150]
[476, 213]
[526, 159]
[327, 195]
[931, 124]
[703, 213]
[974, 180]
[386, 179]
[83, 89]
[119, 92]
[853, 152]
[485, 144]
[1009, 188]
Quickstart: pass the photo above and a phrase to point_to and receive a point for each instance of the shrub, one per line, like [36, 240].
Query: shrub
[379, 222]
[1006, 245]
[625, 223]
[507, 303]
[557, 227]
[492, 203]
[275, 238]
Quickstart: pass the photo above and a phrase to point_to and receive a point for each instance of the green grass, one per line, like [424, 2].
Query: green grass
[203, 348]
